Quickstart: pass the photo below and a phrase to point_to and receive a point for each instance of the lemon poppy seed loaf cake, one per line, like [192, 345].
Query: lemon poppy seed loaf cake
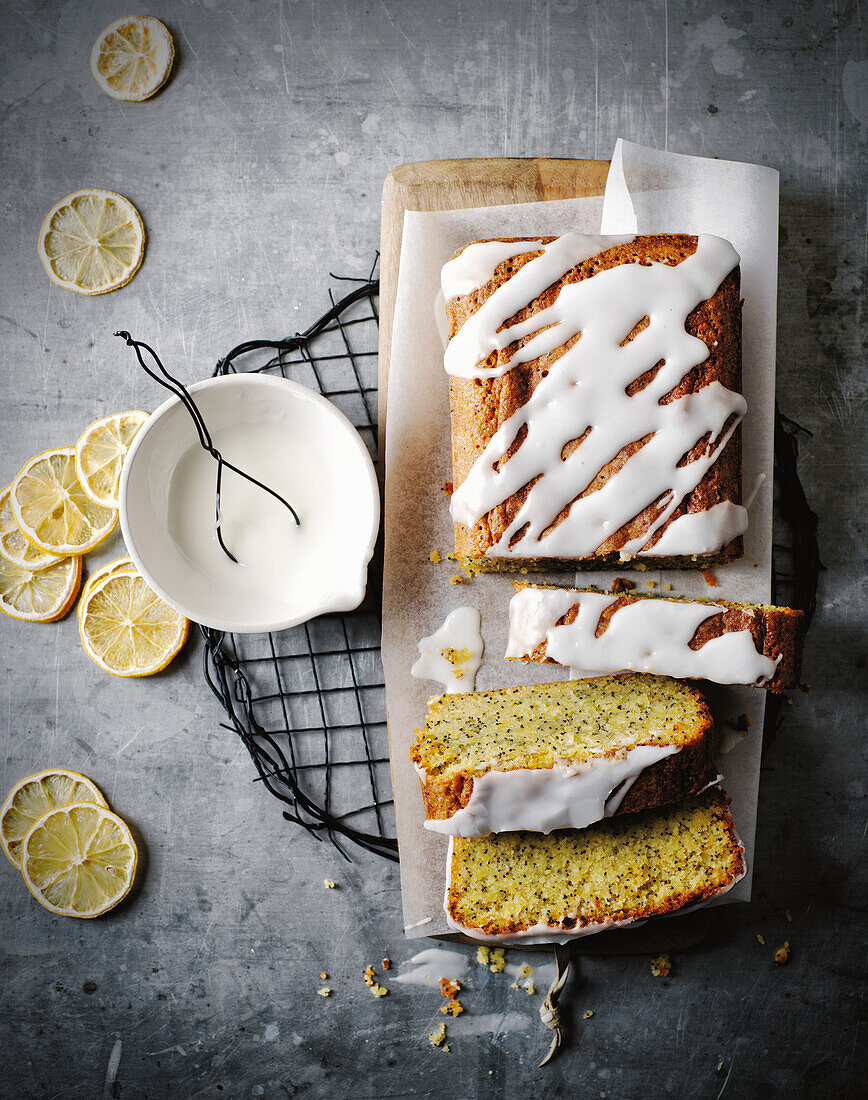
[525, 886]
[595, 401]
[728, 643]
[563, 755]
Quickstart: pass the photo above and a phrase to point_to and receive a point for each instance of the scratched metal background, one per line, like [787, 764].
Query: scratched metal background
[257, 170]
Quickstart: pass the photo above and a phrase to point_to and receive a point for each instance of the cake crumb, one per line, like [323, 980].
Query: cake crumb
[451, 556]
[588, 1014]
[661, 967]
[761, 940]
[387, 963]
[667, 587]
[369, 975]
[325, 991]
[622, 584]
[651, 584]
[456, 579]
[323, 975]
[436, 1037]
[523, 571]
[783, 953]
[720, 1067]
[710, 579]
[329, 885]
[498, 960]
[525, 971]
[482, 954]
[788, 915]
[446, 488]
[449, 989]
[435, 557]
[379, 990]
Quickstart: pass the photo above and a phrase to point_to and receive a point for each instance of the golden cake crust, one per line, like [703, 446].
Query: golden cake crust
[479, 407]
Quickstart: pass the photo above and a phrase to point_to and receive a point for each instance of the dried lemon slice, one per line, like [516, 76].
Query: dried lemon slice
[132, 58]
[13, 544]
[52, 508]
[41, 596]
[126, 628]
[92, 242]
[35, 796]
[100, 453]
[79, 860]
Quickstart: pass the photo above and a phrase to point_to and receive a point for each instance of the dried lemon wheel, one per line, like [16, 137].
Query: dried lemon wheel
[126, 628]
[100, 454]
[41, 596]
[92, 242]
[52, 508]
[79, 860]
[132, 58]
[13, 544]
[35, 796]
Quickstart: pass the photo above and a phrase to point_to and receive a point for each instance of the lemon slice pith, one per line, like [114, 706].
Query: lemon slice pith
[79, 860]
[14, 544]
[40, 596]
[133, 57]
[126, 628]
[52, 508]
[35, 796]
[100, 453]
[92, 242]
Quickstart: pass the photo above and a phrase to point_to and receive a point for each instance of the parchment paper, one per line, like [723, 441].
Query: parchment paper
[647, 191]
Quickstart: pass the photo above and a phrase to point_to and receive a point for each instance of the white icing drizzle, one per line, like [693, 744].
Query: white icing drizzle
[556, 933]
[475, 266]
[433, 964]
[539, 800]
[647, 635]
[586, 389]
[701, 532]
[453, 653]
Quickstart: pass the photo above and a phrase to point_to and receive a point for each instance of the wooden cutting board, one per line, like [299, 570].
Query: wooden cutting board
[458, 185]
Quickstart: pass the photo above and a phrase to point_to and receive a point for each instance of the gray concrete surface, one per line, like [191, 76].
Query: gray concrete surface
[257, 170]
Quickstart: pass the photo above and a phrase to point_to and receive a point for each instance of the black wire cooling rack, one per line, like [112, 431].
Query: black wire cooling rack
[309, 703]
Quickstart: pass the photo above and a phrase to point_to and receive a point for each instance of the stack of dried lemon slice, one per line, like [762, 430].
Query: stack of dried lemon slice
[63, 504]
[77, 857]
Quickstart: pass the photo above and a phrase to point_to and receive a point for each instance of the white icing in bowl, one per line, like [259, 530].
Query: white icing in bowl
[296, 442]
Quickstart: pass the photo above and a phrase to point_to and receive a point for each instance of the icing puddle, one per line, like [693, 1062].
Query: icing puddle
[453, 653]
[433, 964]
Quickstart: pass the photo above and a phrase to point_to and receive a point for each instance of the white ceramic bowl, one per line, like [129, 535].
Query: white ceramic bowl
[347, 496]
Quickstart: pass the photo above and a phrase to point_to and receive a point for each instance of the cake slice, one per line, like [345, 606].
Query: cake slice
[728, 643]
[554, 756]
[517, 887]
[595, 401]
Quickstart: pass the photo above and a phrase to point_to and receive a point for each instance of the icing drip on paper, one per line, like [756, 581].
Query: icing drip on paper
[453, 653]
[475, 266]
[542, 799]
[433, 964]
[585, 394]
[649, 635]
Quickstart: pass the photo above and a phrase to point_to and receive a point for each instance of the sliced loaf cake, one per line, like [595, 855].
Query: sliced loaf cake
[553, 756]
[521, 887]
[727, 643]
